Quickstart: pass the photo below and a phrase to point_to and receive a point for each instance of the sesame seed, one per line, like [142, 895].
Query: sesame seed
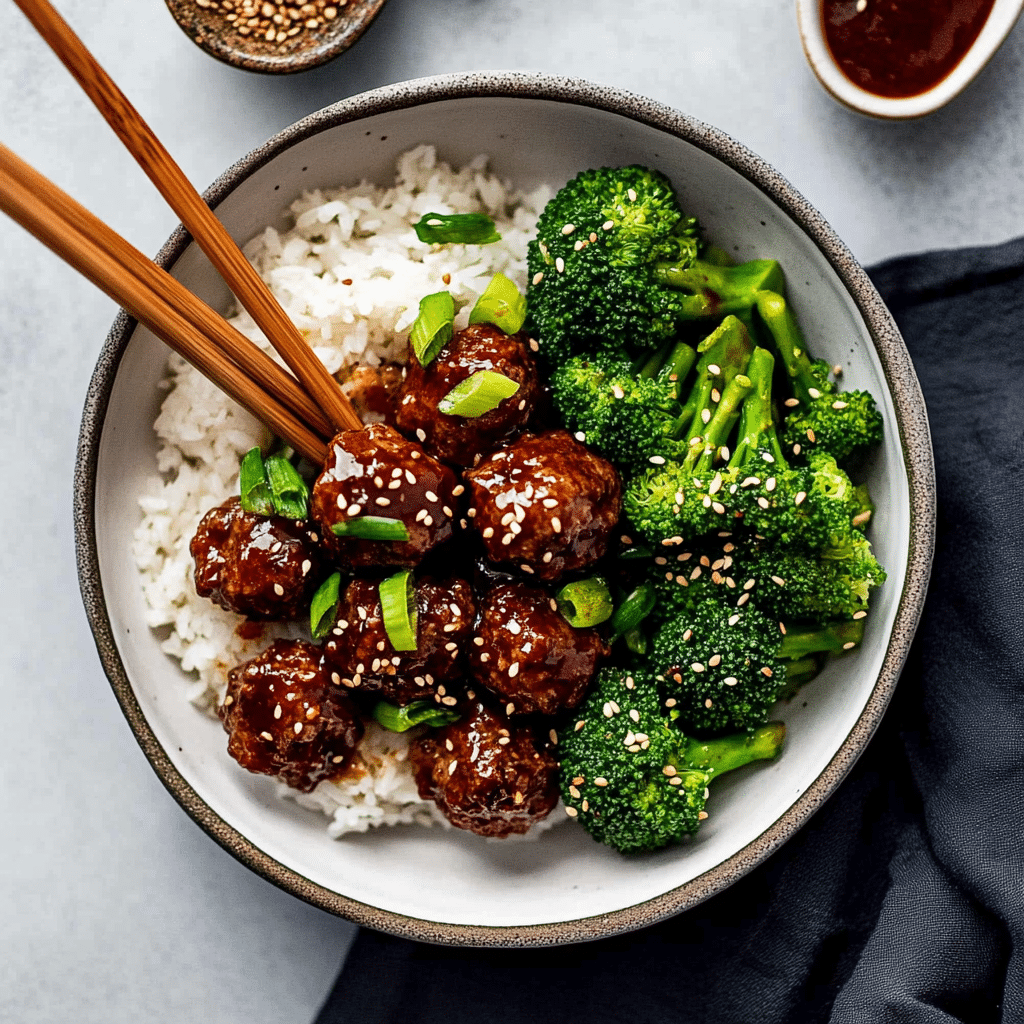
[702, 815]
[421, 515]
[814, 392]
[705, 415]
[556, 524]
[715, 660]
[730, 680]
[267, 736]
[799, 498]
[568, 229]
[538, 277]
[847, 646]
[580, 436]
[608, 225]
[859, 615]
[488, 533]
[449, 701]
[810, 435]
[778, 581]
[560, 264]
[279, 590]
[579, 725]
[763, 502]
[742, 599]
[509, 708]
[791, 403]
[548, 555]
[550, 502]
[572, 812]
[696, 667]
[839, 405]
[733, 619]
[797, 449]
[383, 501]
[767, 672]
[421, 434]
[297, 727]
[451, 647]
[507, 539]
[714, 368]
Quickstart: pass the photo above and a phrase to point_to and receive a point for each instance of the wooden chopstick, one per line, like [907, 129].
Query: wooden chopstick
[249, 357]
[51, 226]
[198, 218]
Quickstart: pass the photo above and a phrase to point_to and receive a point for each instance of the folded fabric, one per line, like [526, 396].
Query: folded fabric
[902, 900]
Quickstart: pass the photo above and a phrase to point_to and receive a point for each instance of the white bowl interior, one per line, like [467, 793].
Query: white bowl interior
[442, 875]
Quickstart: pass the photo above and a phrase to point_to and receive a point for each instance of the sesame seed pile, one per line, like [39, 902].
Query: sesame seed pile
[272, 22]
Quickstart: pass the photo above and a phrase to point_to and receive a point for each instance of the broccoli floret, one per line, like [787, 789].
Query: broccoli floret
[846, 424]
[807, 506]
[723, 666]
[631, 778]
[616, 265]
[628, 414]
[678, 497]
[788, 584]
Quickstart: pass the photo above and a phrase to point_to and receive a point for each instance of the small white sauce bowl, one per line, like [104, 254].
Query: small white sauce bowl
[1002, 18]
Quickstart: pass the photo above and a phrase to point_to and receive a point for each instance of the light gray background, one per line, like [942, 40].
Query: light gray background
[113, 905]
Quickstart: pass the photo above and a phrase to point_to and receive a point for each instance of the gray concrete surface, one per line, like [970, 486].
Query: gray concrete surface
[114, 906]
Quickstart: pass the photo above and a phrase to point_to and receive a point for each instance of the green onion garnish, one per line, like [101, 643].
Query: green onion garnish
[253, 488]
[439, 228]
[420, 712]
[288, 489]
[371, 528]
[324, 607]
[633, 610]
[432, 329]
[585, 602]
[501, 304]
[398, 601]
[480, 392]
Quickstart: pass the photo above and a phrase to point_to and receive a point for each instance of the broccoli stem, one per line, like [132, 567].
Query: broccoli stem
[725, 753]
[757, 419]
[725, 289]
[723, 354]
[790, 345]
[833, 638]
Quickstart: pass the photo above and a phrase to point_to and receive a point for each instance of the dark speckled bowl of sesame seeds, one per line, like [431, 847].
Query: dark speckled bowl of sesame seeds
[441, 885]
[272, 36]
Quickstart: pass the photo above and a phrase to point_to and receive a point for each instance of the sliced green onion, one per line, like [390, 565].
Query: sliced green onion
[398, 601]
[440, 228]
[253, 488]
[480, 392]
[501, 304]
[585, 602]
[420, 712]
[324, 607]
[288, 489]
[371, 528]
[432, 329]
[633, 610]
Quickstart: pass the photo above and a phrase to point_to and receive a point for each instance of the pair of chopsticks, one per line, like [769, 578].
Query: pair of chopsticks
[303, 411]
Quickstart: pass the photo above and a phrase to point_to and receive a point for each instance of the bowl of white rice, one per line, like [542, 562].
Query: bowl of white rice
[325, 211]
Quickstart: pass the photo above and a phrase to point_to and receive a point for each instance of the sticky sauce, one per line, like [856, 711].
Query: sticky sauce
[900, 48]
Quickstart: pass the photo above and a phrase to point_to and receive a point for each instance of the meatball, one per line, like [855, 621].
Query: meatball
[525, 652]
[545, 504]
[259, 566]
[373, 391]
[462, 440]
[283, 718]
[377, 472]
[485, 774]
[358, 652]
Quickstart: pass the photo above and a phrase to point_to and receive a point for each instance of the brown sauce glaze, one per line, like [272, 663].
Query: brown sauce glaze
[901, 48]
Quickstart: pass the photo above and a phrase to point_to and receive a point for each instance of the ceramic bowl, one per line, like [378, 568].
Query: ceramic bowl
[444, 885]
[250, 49]
[1002, 18]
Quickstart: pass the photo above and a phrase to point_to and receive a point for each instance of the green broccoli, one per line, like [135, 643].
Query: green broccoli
[723, 666]
[631, 778]
[808, 506]
[625, 413]
[616, 265]
[788, 584]
[846, 424]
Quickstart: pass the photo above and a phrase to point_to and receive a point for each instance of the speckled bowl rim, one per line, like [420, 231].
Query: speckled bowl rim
[915, 442]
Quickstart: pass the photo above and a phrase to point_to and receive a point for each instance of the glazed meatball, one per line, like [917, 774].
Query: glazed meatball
[377, 472]
[545, 504]
[486, 774]
[373, 391]
[359, 655]
[462, 440]
[283, 718]
[525, 652]
[259, 566]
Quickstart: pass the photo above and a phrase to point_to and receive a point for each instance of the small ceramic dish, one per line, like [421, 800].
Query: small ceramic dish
[262, 35]
[1002, 17]
[448, 886]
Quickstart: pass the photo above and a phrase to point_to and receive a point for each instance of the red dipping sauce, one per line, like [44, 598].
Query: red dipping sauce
[900, 48]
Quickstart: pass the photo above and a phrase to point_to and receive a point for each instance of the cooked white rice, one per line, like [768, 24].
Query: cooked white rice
[350, 274]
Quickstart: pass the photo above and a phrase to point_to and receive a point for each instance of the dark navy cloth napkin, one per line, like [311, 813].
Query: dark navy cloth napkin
[902, 900]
